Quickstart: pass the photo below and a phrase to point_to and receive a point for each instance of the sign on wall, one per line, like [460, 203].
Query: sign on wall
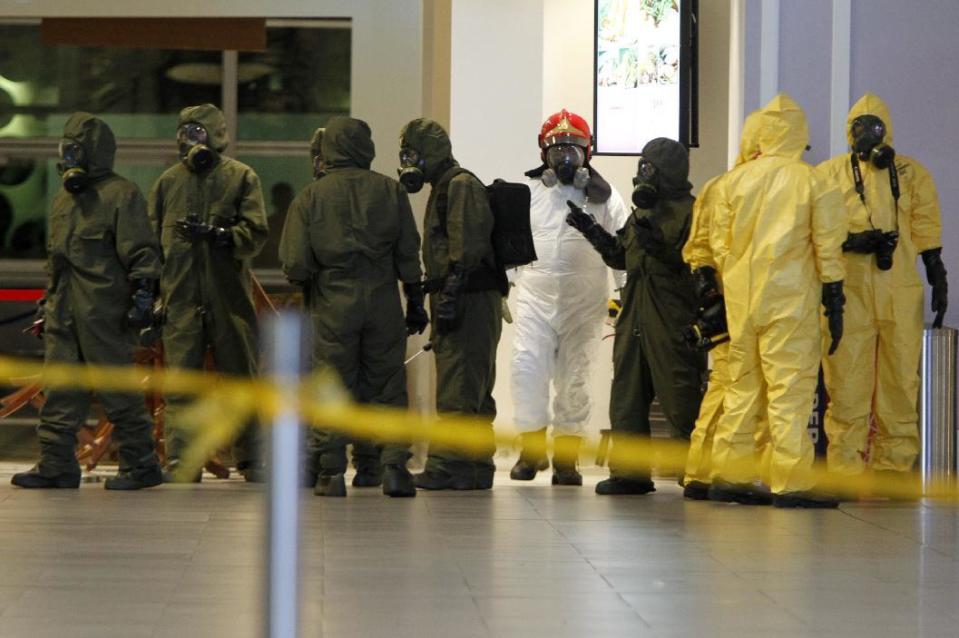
[644, 69]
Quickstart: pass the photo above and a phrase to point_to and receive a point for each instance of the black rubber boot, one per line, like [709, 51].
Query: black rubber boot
[483, 478]
[368, 476]
[811, 500]
[433, 480]
[526, 469]
[32, 479]
[619, 486]
[696, 491]
[397, 481]
[330, 485]
[532, 458]
[135, 480]
[565, 458]
[743, 493]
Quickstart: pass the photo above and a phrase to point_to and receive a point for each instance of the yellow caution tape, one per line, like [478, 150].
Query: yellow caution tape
[225, 405]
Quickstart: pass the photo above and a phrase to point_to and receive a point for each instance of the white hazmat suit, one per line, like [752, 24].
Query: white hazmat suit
[560, 303]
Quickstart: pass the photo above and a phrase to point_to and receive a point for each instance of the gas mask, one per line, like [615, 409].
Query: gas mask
[195, 152]
[566, 164]
[72, 167]
[411, 172]
[868, 131]
[645, 191]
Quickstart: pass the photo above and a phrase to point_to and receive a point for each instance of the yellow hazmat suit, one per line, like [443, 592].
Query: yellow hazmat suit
[698, 254]
[883, 327]
[776, 237]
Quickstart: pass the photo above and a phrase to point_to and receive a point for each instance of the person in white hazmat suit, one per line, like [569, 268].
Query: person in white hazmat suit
[560, 301]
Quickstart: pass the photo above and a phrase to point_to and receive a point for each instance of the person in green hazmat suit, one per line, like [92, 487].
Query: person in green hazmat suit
[466, 291]
[650, 356]
[366, 454]
[209, 214]
[103, 262]
[349, 238]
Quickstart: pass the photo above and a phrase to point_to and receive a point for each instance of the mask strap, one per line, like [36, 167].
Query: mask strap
[861, 189]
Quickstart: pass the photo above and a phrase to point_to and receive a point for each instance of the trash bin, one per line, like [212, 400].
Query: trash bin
[937, 406]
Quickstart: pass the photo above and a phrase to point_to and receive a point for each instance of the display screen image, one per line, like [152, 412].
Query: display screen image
[639, 74]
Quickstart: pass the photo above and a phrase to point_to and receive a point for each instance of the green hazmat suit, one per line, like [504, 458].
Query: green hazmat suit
[348, 239]
[457, 229]
[99, 243]
[776, 237]
[650, 358]
[206, 290]
[882, 336]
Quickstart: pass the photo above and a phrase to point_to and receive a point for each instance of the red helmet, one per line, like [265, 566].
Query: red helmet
[565, 128]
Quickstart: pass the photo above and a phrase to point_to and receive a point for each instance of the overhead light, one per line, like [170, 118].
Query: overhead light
[212, 74]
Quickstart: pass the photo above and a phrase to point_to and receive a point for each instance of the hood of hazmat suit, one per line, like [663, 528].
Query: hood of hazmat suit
[432, 142]
[696, 252]
[776, 237]
[892, 299]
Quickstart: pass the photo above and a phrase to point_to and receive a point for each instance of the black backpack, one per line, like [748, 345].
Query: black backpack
[512, 237]
[512, 234]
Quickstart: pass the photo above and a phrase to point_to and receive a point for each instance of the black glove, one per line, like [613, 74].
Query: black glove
[39, 319]
[416, 318]
[864, 242]
[447, 314]
[833, 300]
[191, 229]
[585, 223]
[936, 276]
[706, 285]
[140, 314]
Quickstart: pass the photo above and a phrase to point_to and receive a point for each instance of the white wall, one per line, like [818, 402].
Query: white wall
[510, 73]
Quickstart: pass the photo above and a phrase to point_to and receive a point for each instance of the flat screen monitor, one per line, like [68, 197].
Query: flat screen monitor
[644, 74]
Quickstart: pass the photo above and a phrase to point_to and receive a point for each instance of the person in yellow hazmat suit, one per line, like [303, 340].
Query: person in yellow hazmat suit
[893, 216]
[776, 237]
[699, 256]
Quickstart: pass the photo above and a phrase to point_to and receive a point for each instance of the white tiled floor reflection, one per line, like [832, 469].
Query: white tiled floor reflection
[523, 560]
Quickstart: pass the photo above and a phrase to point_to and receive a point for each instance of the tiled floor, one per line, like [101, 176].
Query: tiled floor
[522, 560]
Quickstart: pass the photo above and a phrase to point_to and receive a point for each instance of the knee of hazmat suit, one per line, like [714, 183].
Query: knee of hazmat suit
[776, 237]
[560, 299]
[887, 302]
[697, 253]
